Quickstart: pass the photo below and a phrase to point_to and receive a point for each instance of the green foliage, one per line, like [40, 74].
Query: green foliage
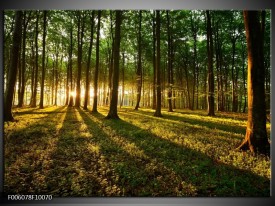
[72, 152]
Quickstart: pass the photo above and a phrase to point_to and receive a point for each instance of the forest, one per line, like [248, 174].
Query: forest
[137, 102]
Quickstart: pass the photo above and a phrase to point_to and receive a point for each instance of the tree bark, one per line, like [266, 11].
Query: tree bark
[234, 77]
[111, 60]
[16, 41]
[95, 98]
[67, 85]
[87, 89]
[194, 34]
[80, 33]
[56, 73]
[210, 67]
[71, 100]
[256, 139]
[158, 75]
[97, 64]
[123, 79]
[23, 80]
[139, 69]
[244, 78]
[41, 103]
[169, 69]
[154, 63]
[34, 94]
[113, 104]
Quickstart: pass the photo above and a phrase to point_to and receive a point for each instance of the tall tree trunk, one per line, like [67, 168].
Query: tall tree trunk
[194, 34]
[187, 86]
[234, 95]
[53, 81]
[105, 81]
[97, 64]
[226, 101]
[139, 69]
[19, 75]
[169, 69]
[67, 85]
[33, 100]
[244, 79]
[16, 41]
[219, 59]
[172, 72]
[71, 100]
[154, 63]
[56, 73]
[158, 75]
[218, 68]
[32, 71]
[210, 66]
[256, 139]
[267, 65]
[41, 104]
[23, 81]
[113, 104]
[111, 60]
[87, 89]
[123, 79]
[7, 52]
[80, 33]
[205, 88]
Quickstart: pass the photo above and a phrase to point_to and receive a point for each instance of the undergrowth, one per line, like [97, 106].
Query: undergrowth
[72, 152]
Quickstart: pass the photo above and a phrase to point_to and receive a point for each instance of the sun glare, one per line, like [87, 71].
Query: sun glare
[72, 94]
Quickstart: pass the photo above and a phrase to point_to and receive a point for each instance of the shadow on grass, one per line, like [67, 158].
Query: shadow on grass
[91, 156]
[208, 178]
[195, 121]
[219, 114]
[25, 153]
[33, 132]
[181, 131]
[38, 111]
[132, 175]
[78, 167]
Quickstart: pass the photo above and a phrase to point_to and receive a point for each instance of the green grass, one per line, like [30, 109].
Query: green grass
[72, 152]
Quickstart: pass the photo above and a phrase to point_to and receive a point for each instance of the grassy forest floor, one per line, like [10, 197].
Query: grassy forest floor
[72, 152]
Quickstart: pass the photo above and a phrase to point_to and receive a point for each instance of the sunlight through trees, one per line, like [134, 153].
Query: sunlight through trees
[137, 102]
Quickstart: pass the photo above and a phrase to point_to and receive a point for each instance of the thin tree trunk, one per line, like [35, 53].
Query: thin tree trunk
[53, 81]
[210, 67]
[56, 77]
[234, 100]
[67, 85]
[154, 62]
[87, 89]
[97, 64]
[80, 33]
[187, 86]
[123, 79]
[139, 69]
[218, 67]
[32, 71]
[41, 104]
[71, 100]
[19, 76]
[33, 101]
[194, 33]
[169, 69]
[111, 62]
[158, 69]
